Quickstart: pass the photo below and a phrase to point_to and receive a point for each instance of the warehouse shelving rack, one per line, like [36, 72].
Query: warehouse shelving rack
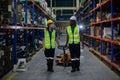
[26, 28]
[111, 6]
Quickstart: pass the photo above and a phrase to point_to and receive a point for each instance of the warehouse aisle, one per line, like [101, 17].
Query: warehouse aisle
[91, 69]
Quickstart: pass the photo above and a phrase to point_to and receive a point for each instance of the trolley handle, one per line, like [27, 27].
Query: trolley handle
[62, 47]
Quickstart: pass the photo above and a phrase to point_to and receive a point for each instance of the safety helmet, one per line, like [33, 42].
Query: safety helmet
[73, 18]
[50, 22]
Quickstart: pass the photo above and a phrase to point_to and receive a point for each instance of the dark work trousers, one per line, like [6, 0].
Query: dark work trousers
[49, 54]
[75, 55]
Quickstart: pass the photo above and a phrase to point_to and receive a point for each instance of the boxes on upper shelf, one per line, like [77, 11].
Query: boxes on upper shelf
[30, 0]
[97, 16]
[48, 10]
[107, 34]
[105, 16]
[91, 30]
[97, 31]
[82, 1]
[43, 3]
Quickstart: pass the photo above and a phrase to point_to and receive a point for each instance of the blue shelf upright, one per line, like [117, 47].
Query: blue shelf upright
[89, 21]
[15, 34]
[33, 35]
[32, 13]
[112, 31]
[101, 30]
[89, 16]
[94, 17]
[26, 22]
[26, 12]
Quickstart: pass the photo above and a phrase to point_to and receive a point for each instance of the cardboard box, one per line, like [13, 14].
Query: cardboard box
[92, 31]
[98, 31]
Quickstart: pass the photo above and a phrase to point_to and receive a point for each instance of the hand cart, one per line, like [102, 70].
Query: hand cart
[63, 59]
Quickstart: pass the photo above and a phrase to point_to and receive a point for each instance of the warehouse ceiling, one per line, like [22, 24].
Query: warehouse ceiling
[63, 9]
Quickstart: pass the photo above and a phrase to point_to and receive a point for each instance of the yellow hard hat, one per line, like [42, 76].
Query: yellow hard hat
[50, 22]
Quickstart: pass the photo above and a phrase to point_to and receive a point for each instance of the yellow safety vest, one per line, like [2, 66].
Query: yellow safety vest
[73, 37]
[49, 43]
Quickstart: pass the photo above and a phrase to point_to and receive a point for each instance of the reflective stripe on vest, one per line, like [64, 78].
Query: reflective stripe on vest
[49, 43]
[73, 37]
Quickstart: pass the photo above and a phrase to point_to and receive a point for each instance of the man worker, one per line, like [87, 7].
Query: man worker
[73, 39]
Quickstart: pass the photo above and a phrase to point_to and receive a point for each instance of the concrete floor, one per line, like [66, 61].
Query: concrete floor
[91, 69]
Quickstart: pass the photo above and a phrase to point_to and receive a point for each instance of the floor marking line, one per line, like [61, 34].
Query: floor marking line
[12, 76]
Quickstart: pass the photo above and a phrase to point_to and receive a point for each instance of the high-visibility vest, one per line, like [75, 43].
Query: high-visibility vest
[74, 37]
[49, 43]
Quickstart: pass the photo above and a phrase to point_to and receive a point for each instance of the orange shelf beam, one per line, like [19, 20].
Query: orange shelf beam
[19, 27]
[86, 8]
[103, 39]
[86, 43]
[101, 5]
[86, 17]
[106, 59]
[105, 21]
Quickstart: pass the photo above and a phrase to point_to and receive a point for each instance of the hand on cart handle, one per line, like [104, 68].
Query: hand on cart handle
[43, 49]
[63, 47]
[66, 45]
[82, 45]
[59, 46]
[42, 46]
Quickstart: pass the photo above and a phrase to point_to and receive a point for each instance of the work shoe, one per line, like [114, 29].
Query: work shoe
[78, 69]
[51, 70]
[73, 70]
[48, 70]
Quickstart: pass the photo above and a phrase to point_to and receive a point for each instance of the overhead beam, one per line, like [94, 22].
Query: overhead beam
[77, 4]
[64, 8]
[64, 14]
[65, 21]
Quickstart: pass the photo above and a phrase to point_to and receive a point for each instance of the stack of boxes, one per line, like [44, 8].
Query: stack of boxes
[5, 14]
[97, 31]
[6, 60]
[48, 10]
[43, 3]
[44, 22]
[92, 30]
[81, 2]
